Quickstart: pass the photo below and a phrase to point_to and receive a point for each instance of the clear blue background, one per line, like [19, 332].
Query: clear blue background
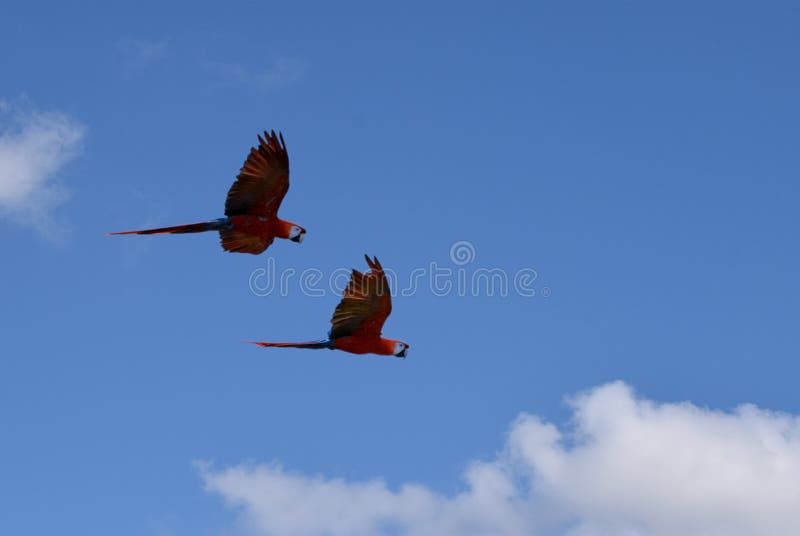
[642, 158]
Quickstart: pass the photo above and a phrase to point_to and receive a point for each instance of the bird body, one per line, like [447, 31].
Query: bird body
[251, 208]
[358, 319]
[366, 345]
[254, 234]
[352, 344]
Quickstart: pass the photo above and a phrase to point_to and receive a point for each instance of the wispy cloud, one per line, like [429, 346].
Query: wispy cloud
[626, 466]
[282, 72]
[136, 55]
[34, 148]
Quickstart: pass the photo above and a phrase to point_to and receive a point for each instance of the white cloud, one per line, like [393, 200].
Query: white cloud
[34, 147]
[625, 466]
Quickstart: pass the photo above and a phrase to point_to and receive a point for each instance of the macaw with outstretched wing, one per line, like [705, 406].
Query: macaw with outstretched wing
[251, 219]
[358, 319]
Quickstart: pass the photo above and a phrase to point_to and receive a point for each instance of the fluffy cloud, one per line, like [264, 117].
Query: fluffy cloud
[34, 147]
[625, 466]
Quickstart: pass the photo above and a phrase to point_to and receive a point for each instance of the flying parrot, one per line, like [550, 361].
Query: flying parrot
[358, 319]
[251, 219]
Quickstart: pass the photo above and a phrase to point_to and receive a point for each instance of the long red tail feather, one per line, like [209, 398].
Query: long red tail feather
[188, 228]
[314, 345]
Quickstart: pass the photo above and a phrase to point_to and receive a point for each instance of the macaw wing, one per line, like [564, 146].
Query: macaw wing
[263, 180]
[242, 242]
[365, 305]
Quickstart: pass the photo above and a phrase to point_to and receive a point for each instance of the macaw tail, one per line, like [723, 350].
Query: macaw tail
[215, 225]
[314, 345]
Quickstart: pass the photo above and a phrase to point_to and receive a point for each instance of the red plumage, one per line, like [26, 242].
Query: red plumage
[358, 319]
[251, 208]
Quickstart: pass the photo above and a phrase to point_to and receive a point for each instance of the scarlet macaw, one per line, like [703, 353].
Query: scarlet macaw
[251, 209]
[359, 317]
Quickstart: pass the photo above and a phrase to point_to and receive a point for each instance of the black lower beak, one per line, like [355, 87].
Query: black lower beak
[402, 354]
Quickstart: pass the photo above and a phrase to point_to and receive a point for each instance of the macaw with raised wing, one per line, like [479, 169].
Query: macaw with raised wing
[358, 319]
[251, 219]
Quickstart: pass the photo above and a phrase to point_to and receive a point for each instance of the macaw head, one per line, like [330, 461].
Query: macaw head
[400, 349]
[296, 233]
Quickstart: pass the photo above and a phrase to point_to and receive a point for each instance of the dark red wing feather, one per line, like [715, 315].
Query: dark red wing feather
[243, 242]
[365, 305]
[263, 180]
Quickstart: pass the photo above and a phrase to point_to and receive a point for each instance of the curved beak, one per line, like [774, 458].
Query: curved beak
[299, 238]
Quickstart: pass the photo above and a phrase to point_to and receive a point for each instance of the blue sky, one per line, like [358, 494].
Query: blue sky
[641, 158]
